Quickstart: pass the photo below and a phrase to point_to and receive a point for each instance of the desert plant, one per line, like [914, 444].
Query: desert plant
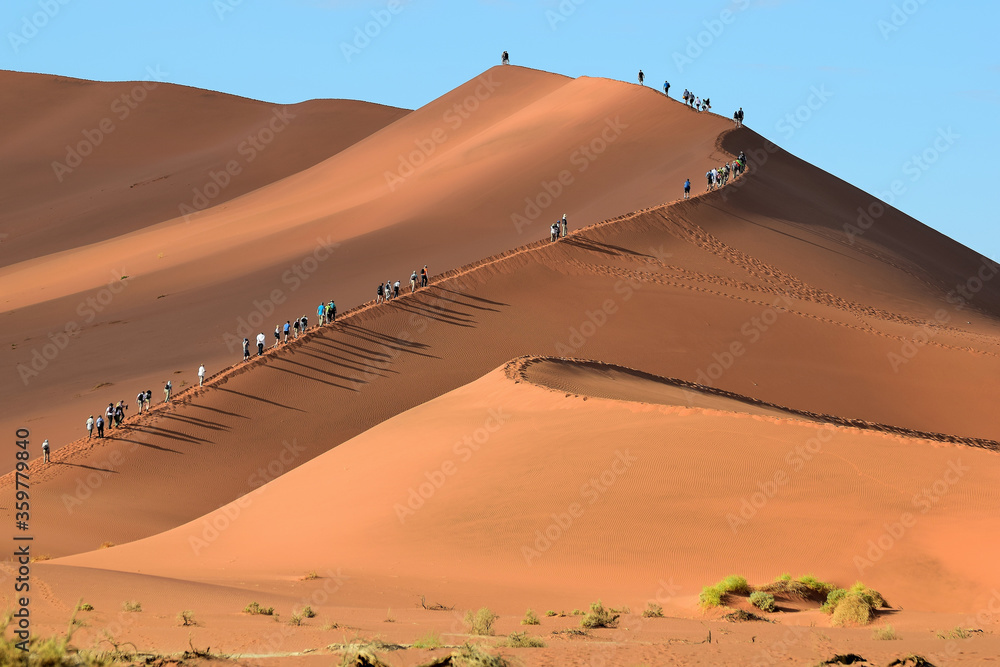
[48, 652]
[388, 616]
[551, 613]
[833, 598]
[296, 619]
[872, 597]
[480, 622]
[85, 606]
[652, 610]
[958, 632]
[763, 601]
[786, 577]
[530, 618]
[886, 633]
[853, 609]
[186, 618]
[599, 617]
[576, 612]
[307, 612]
[471, 655]
[523, 640]
[310, 575]
[430, 640]
[254, 609]
[714, 596]
[131, 605]
[106, 545]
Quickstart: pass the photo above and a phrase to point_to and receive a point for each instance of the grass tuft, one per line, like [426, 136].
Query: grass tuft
[430, 640]
[523, 640]
[599, 617]
[715, 596]
[763, 601]
[254, 609]
[530, 618]
[652, 610]
[186, 618]
[131, 605]
[480, 622]
[885, 633]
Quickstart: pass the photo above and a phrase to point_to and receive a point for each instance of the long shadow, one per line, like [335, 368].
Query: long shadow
[469, 296]
[328, 358]
[262, 400]
[359, 349]
[201, 423]
[171, 435]
[221, 412]
[317, 370]
[444, 312]
[80, 465]
[347, 362]
[303, 375]
[597, 246]
[444, 319]
[390, 342]
[146, 444]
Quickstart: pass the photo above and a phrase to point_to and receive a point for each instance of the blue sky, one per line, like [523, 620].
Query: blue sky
[859, 88]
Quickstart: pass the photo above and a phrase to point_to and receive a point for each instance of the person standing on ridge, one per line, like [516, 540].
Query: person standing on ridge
[260, 343]
[100, 426]
[320, 309]
[666, 88]
[554, 231]
[90, 427]
[413, 281]
[565, 226]
[45, 451]
[388, 289]
[642, 77]
[687, 189]
[140, 399]
[295, 328]
[109, 416]
[166, 391]
[331, 311]
[201, 375]
[378, 293]
[505, 59]
[246, 349]
[423, 276]
[395, 290]
[288, 329]
[305, 323]
[149, 398]
[277, 334]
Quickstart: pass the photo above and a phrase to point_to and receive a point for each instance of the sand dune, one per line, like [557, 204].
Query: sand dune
[84, 162]
[497, 483]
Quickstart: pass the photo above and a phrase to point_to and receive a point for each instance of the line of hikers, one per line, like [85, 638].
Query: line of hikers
[719, 176]
[390, 290]
[559, 228]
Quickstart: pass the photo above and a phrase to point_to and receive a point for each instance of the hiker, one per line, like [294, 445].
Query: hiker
[378, 293]
[423, 276]
[388, 289]
[666, 88]
[260, 343]
[295, 327]
[109, 415]
[697, 104]
[708, 177]
[166, 390]
[331, 311]
[120, 414]
[288, 329]
[715, 176]
[140, 399]
[707, 105]
[736, 118]
[395, 290]
[90, 427]
[201, 375]
[565, 226]
[277, 334]
[642, 77]
[246, 349]
[45, 451]
[413, 281]
[149, 398]
[305, 323]
[554, 232]
[740, 114]
[320, 312]
[687, 189]
[100, 426]
[505, 59]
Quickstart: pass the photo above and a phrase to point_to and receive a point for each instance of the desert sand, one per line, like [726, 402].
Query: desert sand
[746, 382]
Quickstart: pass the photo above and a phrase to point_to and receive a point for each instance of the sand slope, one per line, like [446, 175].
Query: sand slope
[84, 161]
[500, 483]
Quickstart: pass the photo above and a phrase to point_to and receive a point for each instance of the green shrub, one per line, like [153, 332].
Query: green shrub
[873, 598]
[131, 605]
[471, 655]
[480, 622]
[254, 609]
[307, 612]
[430, 640]
[886, 633]
[853, 609]
[714, 596]
[530, 618]
[786, 577]
[523, 640]
[833, 598]
[599, 617]
[186, 618]
[84, 606]
[652, 610]
[815, 585]
[551, 613]
[763, 601]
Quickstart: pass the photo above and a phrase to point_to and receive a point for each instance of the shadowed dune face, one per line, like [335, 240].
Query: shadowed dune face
[500, 483]
[84, 162]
